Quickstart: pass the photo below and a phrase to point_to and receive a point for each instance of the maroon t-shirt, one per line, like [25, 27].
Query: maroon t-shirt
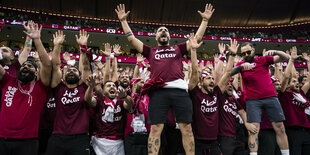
[110, 130]
[12, 69]
[166, 61]
[72, 115]
[49, 111]
[257, 81]
[205, 113]
[20, 112]
[228, 114]
[293, 109]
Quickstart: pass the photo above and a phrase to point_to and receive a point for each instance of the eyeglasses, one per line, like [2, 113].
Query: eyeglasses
[246, 52]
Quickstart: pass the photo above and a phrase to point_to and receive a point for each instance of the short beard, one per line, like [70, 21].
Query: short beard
[72, 81]
[124, 85]
[26, 79]
[162, 43]
[249, 59]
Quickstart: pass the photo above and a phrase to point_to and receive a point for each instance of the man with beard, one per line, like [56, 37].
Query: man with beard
[70, 132]
[260, 93]
[110, 117]
[124, 82]
[231, 111]
[294, 104]
[166, 65]
[206, 101]
[22, 102]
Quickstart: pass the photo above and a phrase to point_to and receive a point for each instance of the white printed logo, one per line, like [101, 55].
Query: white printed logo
[9, 95]
[205, 105]
[166, 55]
[68, 97]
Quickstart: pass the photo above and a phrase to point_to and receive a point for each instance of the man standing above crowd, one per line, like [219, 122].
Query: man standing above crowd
[166, 64]
[260, 93]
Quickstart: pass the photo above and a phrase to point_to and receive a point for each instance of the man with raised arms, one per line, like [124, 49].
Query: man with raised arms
[166, 65]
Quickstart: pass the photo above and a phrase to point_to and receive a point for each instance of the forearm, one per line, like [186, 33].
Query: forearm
[91, 101]
[42, 54]
[99, 91]
[194, 61]
[56, 56]
[136, 71]
[127, 30]
[283, 56]
[26, 50]
[236, 70]
[114, 72]
[107, 69]
[129, 102]
[230, 64]
[86, 70]
[202, 29]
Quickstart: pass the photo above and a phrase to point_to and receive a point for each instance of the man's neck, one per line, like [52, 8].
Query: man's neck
[72, 85]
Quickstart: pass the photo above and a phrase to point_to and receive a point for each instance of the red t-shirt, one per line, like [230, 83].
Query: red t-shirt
[72, 116]
[110, 130]
[205, 113]
[20, 113]
[257, 81]
[166, 61]
[293, 109]
[228, 115]
[12, 69]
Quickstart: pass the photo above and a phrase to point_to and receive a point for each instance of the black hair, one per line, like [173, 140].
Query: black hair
[247, 43]
[301, 78]
[107, 82]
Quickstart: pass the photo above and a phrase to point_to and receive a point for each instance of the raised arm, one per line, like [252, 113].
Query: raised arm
[194, 77]
[219, 65]
[278, 55]
[206, 15]
[289, 68]
[306, 86]
[107, 65]
[122, 15]
[116, 48]
[59, 38]
[45, 73]
[2, 71]
[232, 48]
[84, 60]
[22, 57]
[91, 101]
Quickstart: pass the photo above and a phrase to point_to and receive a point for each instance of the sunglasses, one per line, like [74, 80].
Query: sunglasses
[246, 52]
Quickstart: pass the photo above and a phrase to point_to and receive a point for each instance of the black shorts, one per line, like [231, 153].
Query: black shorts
[161, 100]
[207, 147]
[68, 144]
[19, 146]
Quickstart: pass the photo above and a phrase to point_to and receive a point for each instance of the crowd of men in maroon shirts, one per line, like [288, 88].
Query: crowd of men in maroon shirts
[164, 107]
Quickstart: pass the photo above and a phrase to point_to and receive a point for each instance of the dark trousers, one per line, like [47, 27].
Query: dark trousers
[298, 140]
[207, 147]
[136, 144]
[267, 143]
[231, 146]
[68, 145]
[19, 146]
[44, 135]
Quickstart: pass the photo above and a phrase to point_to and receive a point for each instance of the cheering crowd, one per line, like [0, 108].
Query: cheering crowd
[237, 106]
